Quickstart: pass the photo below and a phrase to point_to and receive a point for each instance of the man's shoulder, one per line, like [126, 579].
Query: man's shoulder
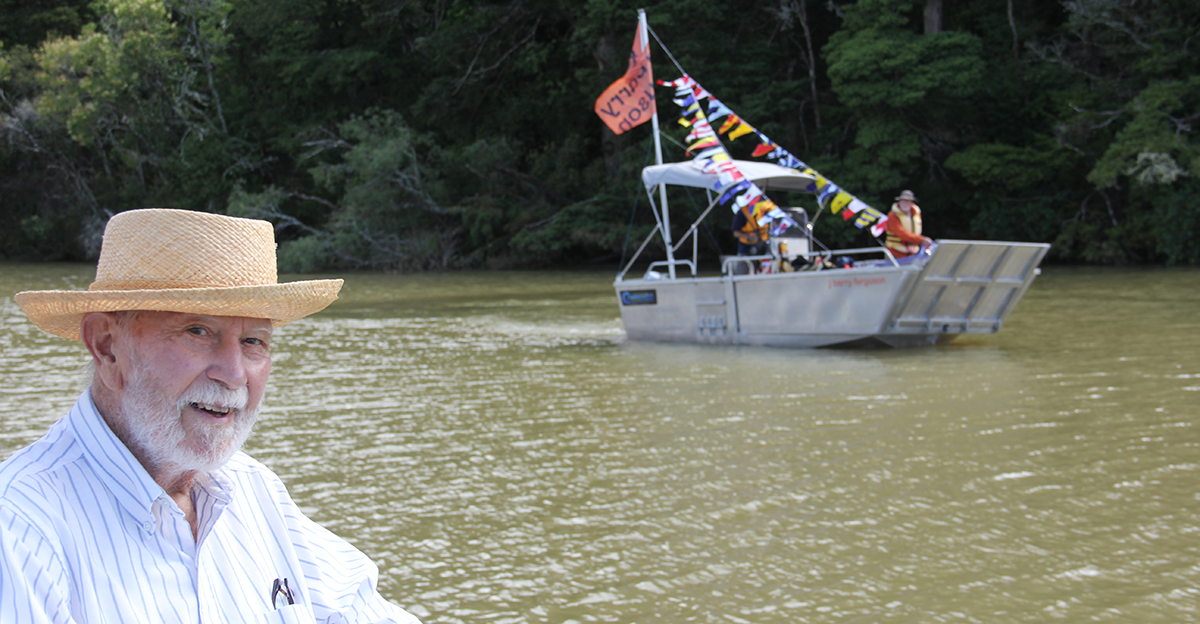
[253, 484]
[40, 464]
[242, 468]
[240, 462]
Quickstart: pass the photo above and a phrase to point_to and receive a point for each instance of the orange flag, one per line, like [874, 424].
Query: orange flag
[629, 102]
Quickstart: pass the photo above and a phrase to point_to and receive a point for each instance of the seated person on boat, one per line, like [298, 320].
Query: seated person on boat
[751, 237]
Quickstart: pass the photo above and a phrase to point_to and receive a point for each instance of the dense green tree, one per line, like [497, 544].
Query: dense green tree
[43, 177]
[906, 93]
[1112, 100]
[385, 217]
[27, 23]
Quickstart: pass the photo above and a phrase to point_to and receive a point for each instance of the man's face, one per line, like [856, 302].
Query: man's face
[905, 205]
[193, 385]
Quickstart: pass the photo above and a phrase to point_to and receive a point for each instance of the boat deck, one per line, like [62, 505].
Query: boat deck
[964, 287]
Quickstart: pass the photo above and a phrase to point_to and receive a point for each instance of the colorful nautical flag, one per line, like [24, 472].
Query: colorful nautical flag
[828, 193]
[629, 101]
[736, 191]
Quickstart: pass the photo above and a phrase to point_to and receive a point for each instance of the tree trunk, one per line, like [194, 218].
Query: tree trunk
[933, 16]
[1012, 23]
[812, 62]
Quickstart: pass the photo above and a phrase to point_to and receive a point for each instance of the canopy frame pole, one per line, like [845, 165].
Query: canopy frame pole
[691, 230]
[695, 249]
[658, 219]
[621, 275]
[657, 230]
[665, 222]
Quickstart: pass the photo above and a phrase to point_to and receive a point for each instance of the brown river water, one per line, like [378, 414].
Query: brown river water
[506, 456]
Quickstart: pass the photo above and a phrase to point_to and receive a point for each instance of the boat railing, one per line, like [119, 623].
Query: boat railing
[887, 254]
[669, 263]
[816, 261]
[730, 261]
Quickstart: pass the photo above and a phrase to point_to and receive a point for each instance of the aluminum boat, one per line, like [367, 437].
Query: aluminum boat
[803, 294]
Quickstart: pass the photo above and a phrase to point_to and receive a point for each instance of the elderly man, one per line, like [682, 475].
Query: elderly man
[904, 227]
[137, 506]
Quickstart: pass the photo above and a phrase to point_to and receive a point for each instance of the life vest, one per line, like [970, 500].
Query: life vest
[912, 223]
[751, 228]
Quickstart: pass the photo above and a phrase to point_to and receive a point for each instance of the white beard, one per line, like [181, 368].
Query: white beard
[155, 432]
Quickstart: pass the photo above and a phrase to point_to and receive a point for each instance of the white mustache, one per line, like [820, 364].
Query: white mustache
[213, 393]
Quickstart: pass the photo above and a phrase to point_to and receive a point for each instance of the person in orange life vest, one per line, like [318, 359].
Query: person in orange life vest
[752, 237]
[904, 227]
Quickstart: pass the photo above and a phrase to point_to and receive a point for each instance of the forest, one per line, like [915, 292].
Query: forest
[410, 135]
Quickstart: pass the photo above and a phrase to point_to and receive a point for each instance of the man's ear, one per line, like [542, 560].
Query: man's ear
[98, 331]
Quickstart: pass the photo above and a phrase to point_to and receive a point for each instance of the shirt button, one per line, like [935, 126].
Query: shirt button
[148, 526]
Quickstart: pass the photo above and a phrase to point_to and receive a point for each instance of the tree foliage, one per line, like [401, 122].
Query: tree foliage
[432, 134]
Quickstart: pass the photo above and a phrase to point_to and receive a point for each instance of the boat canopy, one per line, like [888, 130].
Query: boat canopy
[767, 176]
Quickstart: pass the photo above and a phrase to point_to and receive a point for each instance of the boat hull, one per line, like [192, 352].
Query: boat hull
[964, 287]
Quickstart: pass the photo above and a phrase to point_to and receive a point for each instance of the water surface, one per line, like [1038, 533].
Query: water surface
[495, 444]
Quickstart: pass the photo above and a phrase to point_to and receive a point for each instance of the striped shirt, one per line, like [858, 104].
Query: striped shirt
[87, 536]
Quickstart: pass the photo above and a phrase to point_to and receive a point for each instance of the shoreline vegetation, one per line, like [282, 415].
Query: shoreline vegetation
[443, 134]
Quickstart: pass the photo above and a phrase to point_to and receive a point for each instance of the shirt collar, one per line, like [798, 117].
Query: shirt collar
[216, 484]
[132, 487]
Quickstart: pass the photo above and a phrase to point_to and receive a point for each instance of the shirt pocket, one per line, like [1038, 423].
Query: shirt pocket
[291, 614]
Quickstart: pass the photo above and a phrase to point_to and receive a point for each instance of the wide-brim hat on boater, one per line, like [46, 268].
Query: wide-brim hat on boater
[906, 195]
[181, 261]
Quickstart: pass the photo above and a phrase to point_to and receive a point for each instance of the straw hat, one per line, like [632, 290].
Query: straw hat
[907, 195]
[181, 261]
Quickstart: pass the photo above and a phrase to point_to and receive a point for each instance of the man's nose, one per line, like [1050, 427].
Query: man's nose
[229, 364]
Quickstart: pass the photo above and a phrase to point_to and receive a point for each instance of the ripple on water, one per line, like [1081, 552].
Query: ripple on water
[505, 455]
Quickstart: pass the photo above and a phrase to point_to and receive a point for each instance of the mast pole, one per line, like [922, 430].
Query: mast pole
[643, 31]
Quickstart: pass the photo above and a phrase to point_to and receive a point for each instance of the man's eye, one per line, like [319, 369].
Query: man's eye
[197, 331]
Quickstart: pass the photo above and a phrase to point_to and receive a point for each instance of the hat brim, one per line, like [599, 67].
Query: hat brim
[61, 311]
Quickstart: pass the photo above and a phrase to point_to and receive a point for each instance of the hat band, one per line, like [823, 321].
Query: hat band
[151, 284]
